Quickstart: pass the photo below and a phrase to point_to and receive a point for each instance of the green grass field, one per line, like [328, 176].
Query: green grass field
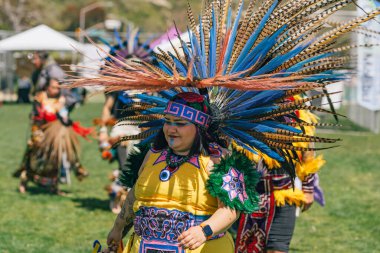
[39, 222]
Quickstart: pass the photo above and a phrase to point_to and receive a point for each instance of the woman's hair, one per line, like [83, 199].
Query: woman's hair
[201, 142]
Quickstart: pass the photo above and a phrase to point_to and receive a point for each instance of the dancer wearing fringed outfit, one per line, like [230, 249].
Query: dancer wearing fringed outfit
[271, 227]
[53, 148]
[232, 85]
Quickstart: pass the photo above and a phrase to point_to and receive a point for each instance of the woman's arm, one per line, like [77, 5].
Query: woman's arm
[219, 222]
[126, 215]
[222, 219]
[107, 108]
[308, 181]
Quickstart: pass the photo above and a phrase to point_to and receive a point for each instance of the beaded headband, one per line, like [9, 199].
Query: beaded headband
[188, 113]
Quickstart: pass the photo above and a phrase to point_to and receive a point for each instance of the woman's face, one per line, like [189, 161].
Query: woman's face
[179, 133]
[36, 60]
[53, 89]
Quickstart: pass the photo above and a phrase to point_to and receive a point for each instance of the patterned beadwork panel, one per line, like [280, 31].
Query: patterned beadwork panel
[160, 247]
[161, 224]
[233, 183]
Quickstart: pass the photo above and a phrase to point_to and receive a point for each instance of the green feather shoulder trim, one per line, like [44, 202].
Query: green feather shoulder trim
[128, 176]
[233, 181]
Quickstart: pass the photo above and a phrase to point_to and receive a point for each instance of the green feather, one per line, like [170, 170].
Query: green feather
[251, 177]
[128, 176]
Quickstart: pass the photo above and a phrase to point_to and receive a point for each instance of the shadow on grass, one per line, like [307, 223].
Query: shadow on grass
[39, 190]
[92, 203]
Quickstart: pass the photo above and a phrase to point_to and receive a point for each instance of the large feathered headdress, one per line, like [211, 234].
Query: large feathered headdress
[248, 66]
[129, 47]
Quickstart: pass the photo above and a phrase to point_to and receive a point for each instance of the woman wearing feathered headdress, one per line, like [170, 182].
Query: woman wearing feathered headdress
[229, 86]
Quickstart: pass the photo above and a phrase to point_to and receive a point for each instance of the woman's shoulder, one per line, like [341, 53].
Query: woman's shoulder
[217, 152]
[153, 150]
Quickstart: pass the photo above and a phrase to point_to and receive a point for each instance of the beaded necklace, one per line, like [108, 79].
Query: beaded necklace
[173, 160]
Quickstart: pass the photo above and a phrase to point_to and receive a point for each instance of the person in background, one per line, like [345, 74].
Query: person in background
[46, 68]
[271, 228]
[116, 107]
[47, 73]
[53, 148]
[24, 87]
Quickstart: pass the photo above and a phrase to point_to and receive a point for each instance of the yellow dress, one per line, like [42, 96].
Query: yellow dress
[169, 202]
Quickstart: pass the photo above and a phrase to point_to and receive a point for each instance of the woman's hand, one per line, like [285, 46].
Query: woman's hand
[309, 199]
[113, 240]
[192, 238]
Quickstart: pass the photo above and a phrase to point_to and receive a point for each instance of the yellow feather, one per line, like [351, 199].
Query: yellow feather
[290, 196]
[310, 166]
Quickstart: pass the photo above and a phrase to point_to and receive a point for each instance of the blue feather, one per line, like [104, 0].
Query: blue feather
[240, 97]
[279, 60]
[185, 48]
[196, 51]
[118, 38]
[260, 51]
[154, 110]
[276, 124]
[262, 98]
[229, 20]
[168, 94]
[182, 69]
[153, 123]
[243, 124]
[244, 137]
[163, 67]
[232, 38]
[212, 50]
[299, 65]
[240, 143]
[136, 41]
[153, 99]
[147, 42]
[252, 39]
[326, 75]
[112, 48]
[203, 49]
[124, 97]
[255, 111]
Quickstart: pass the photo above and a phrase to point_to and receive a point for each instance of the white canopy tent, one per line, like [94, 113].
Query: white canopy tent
[40, 37]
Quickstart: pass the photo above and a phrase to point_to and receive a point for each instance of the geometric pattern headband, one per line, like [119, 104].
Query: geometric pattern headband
[188, 113]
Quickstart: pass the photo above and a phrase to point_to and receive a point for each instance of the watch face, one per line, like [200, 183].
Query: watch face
[207, 230]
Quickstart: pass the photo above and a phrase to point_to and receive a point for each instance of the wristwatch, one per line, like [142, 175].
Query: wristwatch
[207, 231]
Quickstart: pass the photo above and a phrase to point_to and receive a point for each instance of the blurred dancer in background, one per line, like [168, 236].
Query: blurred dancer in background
[53, 148]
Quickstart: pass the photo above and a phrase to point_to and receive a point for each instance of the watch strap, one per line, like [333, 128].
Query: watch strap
[207, 230]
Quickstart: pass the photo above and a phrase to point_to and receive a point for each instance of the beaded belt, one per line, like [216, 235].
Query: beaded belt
[162, 224]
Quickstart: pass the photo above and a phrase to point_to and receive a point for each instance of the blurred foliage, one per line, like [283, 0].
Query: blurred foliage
[151, 15]
[154, 16]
